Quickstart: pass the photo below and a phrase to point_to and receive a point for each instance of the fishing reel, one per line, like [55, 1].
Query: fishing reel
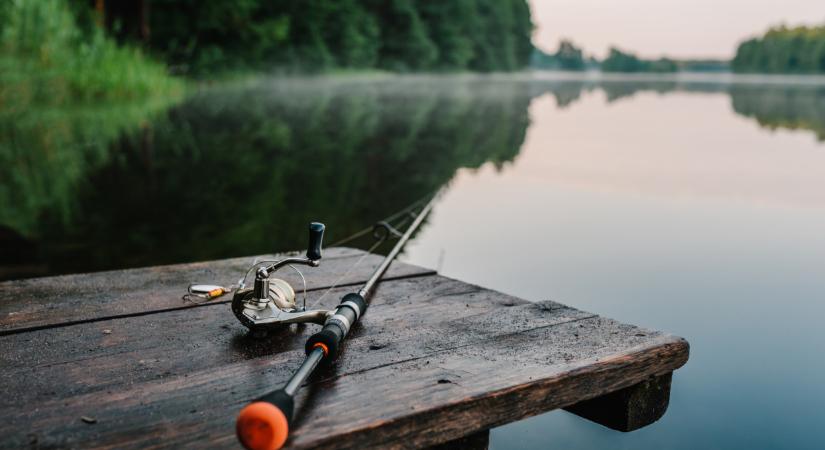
[270, 303]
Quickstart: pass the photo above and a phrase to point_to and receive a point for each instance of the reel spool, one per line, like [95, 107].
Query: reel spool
[282, 294]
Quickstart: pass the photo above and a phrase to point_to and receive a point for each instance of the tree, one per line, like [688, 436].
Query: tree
[569, 56]
[619, 61]
[353, 35]
[405, 44]
[450, 28]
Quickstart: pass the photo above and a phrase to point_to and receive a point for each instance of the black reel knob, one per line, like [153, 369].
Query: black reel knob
[316, 237]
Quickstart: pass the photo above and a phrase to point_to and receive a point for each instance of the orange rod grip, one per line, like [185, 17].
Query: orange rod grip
[262, 426]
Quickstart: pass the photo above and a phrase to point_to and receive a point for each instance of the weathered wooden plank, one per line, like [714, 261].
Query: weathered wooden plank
[43, 302]
[198, 412]
[452, 379]
[65, 361]
[630, 408]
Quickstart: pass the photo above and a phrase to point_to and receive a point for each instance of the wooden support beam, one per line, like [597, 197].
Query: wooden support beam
[475, 441]
[630, 408]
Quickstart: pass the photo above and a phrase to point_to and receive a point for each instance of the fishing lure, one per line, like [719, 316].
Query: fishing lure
[204, 292]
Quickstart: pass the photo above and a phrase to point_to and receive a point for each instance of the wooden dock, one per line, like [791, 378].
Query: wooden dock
[117, 360]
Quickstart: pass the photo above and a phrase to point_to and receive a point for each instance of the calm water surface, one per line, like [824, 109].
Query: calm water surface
[696, 207]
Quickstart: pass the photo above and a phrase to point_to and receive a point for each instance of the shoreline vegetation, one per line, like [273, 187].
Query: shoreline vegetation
[56, 53]
[46, 58]
[569, 57]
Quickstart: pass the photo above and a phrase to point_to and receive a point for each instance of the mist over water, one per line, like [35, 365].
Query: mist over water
[693, 205]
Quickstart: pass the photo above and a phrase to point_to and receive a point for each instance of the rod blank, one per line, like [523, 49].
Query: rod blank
[264, 424]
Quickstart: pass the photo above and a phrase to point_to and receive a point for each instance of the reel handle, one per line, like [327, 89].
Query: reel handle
[264, 424]
[316, 237]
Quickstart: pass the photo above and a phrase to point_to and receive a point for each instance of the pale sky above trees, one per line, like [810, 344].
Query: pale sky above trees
[677, 28]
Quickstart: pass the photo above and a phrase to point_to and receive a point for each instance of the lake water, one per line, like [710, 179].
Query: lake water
[694, 205]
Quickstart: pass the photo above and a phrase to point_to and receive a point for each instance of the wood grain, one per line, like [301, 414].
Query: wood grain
[64, 300]
[65, 361]
[432, 361]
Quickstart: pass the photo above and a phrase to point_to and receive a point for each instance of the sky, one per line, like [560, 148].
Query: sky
[677, 28]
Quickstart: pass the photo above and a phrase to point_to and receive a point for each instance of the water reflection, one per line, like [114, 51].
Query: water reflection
[238, 170]
[799, 106]
[241, 171]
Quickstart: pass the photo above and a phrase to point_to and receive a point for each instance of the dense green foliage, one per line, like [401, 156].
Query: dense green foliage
[45, 57]
[619, 61]
[783, 50]
[401, 35]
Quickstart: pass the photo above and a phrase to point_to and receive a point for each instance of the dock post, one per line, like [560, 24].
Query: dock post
[476, 441]
[630, 408]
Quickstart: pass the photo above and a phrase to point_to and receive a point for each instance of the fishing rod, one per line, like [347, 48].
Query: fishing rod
[264, 423]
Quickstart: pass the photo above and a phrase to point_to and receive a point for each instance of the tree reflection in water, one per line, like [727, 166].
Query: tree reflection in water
[235, 171]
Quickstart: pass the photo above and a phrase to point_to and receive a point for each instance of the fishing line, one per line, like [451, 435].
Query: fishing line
[348, 272]
[389, 218]
[380, 239]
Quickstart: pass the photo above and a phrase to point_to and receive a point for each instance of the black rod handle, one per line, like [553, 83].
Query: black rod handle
[336, 328]
[316, 238]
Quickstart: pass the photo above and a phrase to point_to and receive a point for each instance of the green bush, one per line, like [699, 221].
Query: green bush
[46, 58]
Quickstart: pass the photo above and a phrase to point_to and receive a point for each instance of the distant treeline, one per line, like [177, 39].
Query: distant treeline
[198, 36]
[783, 50]
[570, 57]
[798, 50]
[619, 61]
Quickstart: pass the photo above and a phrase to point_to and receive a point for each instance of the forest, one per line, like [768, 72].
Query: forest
[58, 52]
[197, 37]
[783, 50]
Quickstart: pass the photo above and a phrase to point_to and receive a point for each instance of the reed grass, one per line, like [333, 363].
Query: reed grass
[45, 58]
